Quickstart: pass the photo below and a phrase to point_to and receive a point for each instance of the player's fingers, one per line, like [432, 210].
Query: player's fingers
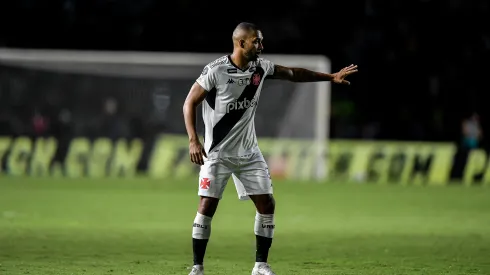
[195, 158]
[192, 157]
[203, 152]
[345, 82]
[351, 72]
[200, 159]
[350, 68]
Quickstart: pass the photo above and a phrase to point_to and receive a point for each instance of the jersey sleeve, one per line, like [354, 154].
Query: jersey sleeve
[207, 79]
[269, 66]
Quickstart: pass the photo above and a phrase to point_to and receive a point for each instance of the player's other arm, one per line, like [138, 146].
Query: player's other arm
[305, 75]
[195, 97]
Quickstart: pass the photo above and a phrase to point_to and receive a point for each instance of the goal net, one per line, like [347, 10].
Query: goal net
[143, 94]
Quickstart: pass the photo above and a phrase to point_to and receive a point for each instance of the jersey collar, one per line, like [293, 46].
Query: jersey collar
[231, 62]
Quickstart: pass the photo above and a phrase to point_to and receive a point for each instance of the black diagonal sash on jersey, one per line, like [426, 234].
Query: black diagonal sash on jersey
[211, 98]
[229, 120]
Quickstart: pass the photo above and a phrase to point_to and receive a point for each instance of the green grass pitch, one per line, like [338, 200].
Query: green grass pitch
[142, 226]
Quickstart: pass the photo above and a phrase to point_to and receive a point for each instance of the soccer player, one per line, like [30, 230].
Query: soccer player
[231, 87]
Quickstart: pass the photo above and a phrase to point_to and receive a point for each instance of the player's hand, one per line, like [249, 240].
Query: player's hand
[340, 76]
[197, 152]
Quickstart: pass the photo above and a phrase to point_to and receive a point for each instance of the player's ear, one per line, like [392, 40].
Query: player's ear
[242, 43]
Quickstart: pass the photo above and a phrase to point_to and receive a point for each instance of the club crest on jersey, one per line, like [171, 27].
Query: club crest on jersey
[256, 79]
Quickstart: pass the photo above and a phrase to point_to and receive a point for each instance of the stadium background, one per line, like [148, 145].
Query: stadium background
[75, 142]
[422, 63]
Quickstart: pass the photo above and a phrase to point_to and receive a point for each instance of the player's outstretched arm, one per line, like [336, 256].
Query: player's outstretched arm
[305, 75]
[196, 95]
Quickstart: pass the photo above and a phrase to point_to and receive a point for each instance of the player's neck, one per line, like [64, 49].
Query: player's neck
[239, 60]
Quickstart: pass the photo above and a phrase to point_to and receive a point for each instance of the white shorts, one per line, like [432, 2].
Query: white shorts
[250, 174]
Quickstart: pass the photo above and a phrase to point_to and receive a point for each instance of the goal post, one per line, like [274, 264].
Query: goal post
[161, 79]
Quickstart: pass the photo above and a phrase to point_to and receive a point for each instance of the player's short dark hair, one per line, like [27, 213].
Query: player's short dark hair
[247, 26]
[242, 28]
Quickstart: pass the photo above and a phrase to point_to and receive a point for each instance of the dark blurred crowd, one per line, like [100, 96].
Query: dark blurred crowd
[422, 62]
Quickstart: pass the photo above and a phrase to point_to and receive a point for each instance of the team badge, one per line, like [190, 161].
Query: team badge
[205, 183]
[256, 79]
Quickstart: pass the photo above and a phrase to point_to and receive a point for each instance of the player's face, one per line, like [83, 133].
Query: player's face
[254, 46]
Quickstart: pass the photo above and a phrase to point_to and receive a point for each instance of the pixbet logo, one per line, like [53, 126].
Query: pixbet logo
[240, 105]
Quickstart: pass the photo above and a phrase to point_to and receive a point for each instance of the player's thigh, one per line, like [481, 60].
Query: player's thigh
[213, 176]
[253, 176]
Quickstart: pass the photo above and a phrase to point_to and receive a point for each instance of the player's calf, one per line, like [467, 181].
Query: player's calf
[201, 229]
[264, 227]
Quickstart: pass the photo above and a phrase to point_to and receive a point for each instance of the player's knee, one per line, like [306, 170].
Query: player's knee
[208, 206]
[264, 222]
[270, 205]
[266, 204]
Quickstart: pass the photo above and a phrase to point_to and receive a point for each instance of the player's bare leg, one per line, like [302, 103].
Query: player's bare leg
[201, 232]
[264, 232]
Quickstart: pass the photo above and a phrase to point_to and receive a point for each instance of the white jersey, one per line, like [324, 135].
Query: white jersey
[230, 105]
